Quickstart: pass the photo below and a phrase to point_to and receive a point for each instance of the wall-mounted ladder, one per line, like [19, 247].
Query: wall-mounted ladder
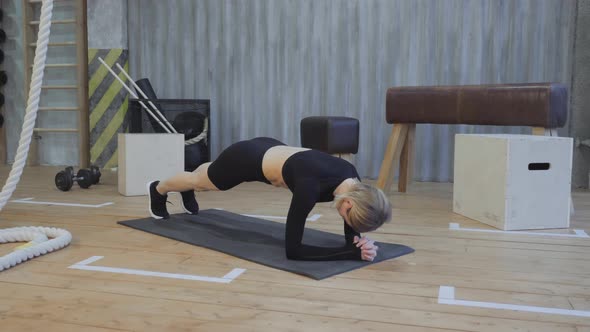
[77, 44]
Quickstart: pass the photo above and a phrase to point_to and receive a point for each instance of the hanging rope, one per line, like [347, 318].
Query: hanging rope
[40, 244]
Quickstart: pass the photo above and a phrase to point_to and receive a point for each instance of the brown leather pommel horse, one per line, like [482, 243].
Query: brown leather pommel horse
[542, 106]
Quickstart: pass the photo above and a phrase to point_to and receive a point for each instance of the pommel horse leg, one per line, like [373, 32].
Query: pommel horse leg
[406, 166]
[400, 149]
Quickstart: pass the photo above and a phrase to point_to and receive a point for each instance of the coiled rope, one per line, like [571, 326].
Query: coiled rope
[201, 136]
[40, 243]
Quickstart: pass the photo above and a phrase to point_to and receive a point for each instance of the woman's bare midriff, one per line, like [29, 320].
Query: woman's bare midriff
[273, 161]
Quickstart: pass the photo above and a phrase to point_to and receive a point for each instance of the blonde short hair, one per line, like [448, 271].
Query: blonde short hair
[370, 207]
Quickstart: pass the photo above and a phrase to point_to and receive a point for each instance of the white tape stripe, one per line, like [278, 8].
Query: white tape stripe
[312, 218]
[89, 260]
[503, 306]
[447, 296]
[29, 201]
[150, 273]
[83, 266]
[234, 273]
[446, 292]
[261, 216]
[579, 233]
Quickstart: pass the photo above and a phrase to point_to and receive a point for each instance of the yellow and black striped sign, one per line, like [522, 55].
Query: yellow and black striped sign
[107, 106]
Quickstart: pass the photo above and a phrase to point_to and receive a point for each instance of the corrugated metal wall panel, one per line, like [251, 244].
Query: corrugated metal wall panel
[267, 64]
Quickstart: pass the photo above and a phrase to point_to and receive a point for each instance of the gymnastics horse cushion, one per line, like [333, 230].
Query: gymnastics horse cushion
[532, 104]
[330, 134]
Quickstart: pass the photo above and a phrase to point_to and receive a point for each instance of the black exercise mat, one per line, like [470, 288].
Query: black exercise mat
[256, 240]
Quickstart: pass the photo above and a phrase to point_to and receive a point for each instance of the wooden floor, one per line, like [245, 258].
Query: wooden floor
[395, 295]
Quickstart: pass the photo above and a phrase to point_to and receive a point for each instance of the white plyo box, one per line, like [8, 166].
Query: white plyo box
[513, 182]
[147, 157]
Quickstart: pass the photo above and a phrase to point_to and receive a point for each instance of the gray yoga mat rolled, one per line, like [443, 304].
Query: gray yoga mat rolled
[257, 240]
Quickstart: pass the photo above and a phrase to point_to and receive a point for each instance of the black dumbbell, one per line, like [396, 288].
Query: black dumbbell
[95, 174]
[64, 180]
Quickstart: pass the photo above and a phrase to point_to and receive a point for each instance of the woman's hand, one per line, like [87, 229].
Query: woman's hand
[368, 248]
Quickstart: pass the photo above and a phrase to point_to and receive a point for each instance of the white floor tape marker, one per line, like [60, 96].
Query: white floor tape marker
[446, 295]
[30, 201]
[314, 217]
[83, 265]
[580, 233]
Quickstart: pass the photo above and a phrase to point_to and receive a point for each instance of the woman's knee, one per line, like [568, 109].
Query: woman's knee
[202, 167]
[201, 180]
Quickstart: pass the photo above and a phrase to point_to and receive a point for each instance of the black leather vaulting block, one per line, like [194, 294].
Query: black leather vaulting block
[330, 134]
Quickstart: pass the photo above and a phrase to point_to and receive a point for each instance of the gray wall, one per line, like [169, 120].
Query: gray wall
[580, 97]
[267, 64]
[107, 24]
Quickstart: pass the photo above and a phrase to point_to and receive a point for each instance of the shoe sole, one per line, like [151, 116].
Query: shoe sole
[150, 201]
[185, 209]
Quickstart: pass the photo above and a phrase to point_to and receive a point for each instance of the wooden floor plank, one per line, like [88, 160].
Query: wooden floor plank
[143, 305]
[146, 312]
[13, 323]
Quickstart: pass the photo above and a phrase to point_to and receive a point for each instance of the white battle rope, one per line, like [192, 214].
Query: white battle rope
[38, 236]
[39, 244]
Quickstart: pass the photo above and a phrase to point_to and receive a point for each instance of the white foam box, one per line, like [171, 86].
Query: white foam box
[513, 182]
[147, 157]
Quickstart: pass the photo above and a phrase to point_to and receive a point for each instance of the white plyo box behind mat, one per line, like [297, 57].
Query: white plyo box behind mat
[513, 182]
[146, 157]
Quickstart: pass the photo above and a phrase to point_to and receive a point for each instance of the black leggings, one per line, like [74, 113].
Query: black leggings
[241, 162]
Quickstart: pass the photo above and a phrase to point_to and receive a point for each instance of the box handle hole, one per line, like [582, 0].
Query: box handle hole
[539, 166]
